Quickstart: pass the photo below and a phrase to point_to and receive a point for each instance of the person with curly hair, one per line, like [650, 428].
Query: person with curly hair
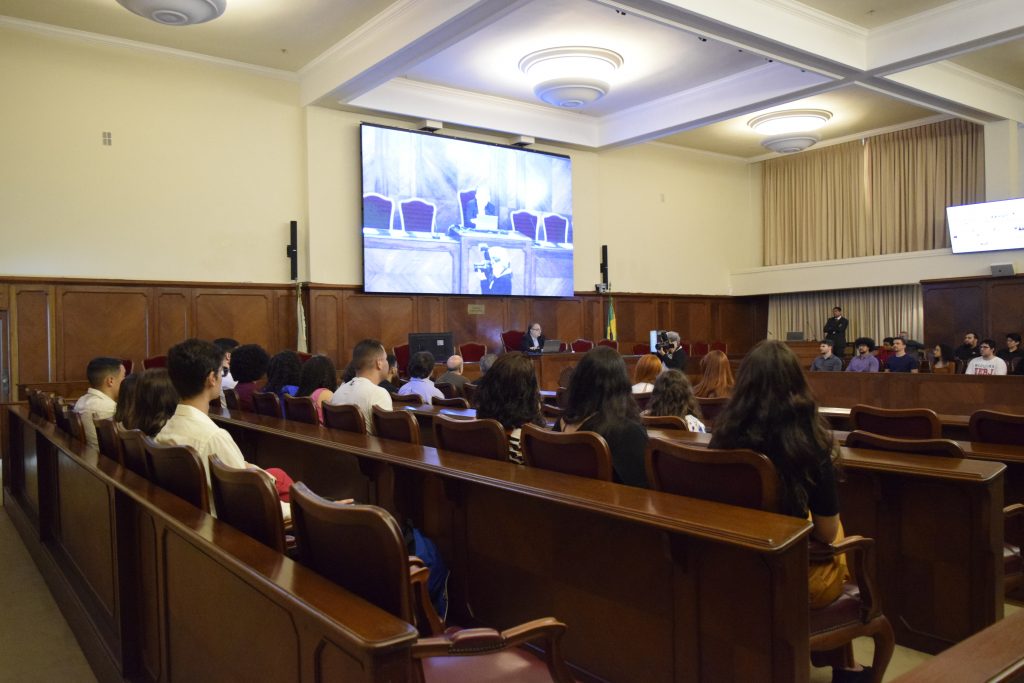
[249, 368]
[600, 399]
[717, 381]
[283, 372]
[673, 395]
[509, 394]
[318, 380]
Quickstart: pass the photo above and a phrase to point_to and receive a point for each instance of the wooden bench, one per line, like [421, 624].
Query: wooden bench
[652, 586]
[154, 589]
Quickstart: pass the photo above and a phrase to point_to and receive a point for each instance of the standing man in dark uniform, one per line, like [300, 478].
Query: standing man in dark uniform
[835, 331]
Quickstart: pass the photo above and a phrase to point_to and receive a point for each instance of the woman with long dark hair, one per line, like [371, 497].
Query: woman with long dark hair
[772, 411]
[600, 399]
[717, 381]
[154, 400]
[673, 395]
[126, 400]
[509, 394]
[318, 380]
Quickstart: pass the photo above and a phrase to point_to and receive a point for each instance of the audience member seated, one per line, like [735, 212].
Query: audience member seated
[717, 380]
[900, 360]
[533, 340]
[454, 375]
[126, 401]
[862, 360]
[194, 367]
[942, 360]
[647, 370]
[227, 345]
[509, 394]
[988, 363]
[100, 399]
[773, 412]
[487, 362]
[420, 366]
[370, 364]
[1012, 350]
[391, 381]
[152, 400]
[826, 362]
[673, 395]
[969, 349]
[600, 400]
[283, 372]
[885, 352]
[249, 368]
[318, 380]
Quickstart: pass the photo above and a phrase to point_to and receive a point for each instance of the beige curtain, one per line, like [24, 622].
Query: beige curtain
[884, 195]
[875, 312]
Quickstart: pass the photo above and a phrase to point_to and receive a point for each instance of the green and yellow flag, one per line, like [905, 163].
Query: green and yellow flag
[609, 329]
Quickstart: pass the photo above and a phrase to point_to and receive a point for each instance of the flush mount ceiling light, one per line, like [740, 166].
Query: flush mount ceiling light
[790, 143]
[790, 121]
[570, 77]
[176, 12]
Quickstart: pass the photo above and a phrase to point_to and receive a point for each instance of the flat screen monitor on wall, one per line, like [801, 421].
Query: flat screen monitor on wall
[991, 226]
[438, 343]
[443, 215]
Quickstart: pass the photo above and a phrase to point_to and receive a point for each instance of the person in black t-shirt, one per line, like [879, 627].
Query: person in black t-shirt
[969, 349]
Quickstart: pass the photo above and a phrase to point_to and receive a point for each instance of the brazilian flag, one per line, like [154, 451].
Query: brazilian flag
[609, 331]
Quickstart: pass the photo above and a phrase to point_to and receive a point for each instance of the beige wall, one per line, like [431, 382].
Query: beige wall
[206, 168]
[209, 163]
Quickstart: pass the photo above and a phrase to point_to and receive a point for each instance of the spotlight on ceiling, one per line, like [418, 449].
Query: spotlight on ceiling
[570, 77]
[176, 12]
[790, 142]
[790, 121]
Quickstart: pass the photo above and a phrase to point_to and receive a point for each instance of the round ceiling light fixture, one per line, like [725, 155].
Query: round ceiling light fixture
[790, 143]
[176, 12]
[570, 77]
[790, 121]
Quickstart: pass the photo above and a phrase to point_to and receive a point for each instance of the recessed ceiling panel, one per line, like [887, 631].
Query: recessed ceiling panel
[1002, 62]
[657, 60]
[874, 13]
[854, 109]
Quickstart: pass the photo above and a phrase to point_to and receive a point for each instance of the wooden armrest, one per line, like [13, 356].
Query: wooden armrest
[860, 563]
[1012, 511]
[820, 552]
[473, 641]
[419, 576]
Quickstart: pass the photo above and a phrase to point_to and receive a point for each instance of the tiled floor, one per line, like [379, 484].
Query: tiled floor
[35, 641]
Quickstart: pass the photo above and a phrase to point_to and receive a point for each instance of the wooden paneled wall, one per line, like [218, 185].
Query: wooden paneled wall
[989, 306]
[57, 325]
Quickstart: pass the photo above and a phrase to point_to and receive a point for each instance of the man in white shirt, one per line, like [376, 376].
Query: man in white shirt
[194, 367]
[370, 361]
[227, 345]
[988, 363]
[420, 366]
[100, 401]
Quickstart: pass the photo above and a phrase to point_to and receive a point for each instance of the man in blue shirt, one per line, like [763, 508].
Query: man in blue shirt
[900, 360]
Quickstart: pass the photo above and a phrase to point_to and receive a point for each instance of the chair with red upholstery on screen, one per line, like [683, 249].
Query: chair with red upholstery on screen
[526, 223]
[378, 211]
[153, 362]
[401, 354]
[417, 215]
[556, 229]
[511, 339]
[700, 348]
[581, 345]
[610, 343]
[641, 349]
[472, 352]
[720, 346]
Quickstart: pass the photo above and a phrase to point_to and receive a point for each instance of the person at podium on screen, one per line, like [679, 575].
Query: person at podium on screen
[480, 203]
[533, 340]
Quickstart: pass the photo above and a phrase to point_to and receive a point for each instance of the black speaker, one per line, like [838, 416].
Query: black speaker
[604, 264]
[292, 250]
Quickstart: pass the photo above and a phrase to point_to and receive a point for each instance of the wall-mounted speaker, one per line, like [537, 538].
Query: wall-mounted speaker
[292, 249]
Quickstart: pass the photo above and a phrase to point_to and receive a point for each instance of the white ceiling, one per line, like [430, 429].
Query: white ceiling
[694, 71]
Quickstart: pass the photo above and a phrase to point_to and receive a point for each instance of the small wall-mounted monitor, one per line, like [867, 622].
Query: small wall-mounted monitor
[438, 343]
[991, 226]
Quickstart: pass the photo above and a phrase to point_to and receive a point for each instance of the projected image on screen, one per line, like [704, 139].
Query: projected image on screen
[449, 216]
[991, 226]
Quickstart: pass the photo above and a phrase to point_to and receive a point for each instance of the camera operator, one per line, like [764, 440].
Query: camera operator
[669, 351]
[495, 271]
